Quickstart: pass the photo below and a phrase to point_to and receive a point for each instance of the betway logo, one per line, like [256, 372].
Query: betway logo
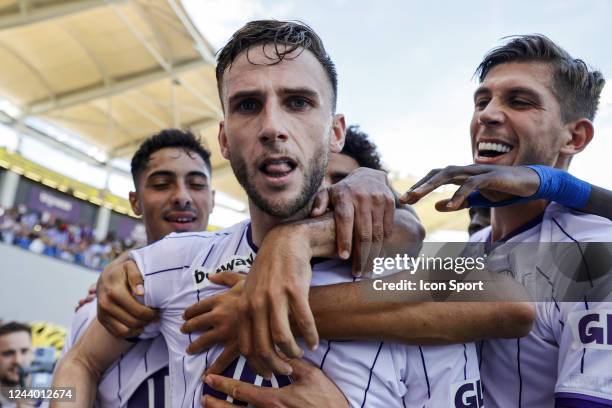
[237, 264]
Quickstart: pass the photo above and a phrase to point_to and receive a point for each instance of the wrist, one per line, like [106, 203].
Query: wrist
[294, 239]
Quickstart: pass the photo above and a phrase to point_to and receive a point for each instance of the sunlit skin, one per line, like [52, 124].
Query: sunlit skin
[173, 194]
[515, 106]
[15, 352]
[338, 167]
[278, 130]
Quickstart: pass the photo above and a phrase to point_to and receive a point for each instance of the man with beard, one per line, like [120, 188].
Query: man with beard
[15, 355]
[278, 88]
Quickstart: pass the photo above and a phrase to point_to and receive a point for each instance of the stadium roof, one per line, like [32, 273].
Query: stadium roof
[111, 71]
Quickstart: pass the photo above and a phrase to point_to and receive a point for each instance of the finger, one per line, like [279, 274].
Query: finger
[389, 216]
[436, 181]
[281, 330]
[134, 277]
[247, 348]
[300, 367]
[409, 197]
[121, 315]
[344, 216]
[304, 320]
[227, 356]
[92, 289]
[227, 278]
[199, 323]
[320, 204]
[209, 401]
[119, 329]
[242, 391]
[363, 239]
[460, 196]
[442, 206]
[122, 300]
[264, 346]
[200, 308]
[205, 341]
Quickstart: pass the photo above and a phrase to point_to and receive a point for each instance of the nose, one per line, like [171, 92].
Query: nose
[273, 124]
[492, 114]
[181, 197]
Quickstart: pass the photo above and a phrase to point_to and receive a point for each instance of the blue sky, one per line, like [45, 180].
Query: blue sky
[406, 67]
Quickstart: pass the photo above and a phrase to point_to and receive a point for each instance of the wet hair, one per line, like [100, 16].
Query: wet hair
[286, 37]
[576, 86]
[175, 138]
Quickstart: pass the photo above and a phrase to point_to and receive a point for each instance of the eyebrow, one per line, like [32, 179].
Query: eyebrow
[166, 173]
[283, 91]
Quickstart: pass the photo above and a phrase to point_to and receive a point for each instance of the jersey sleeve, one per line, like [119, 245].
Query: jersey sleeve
[585, 355]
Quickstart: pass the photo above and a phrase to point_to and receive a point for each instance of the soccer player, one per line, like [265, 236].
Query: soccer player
[277, 86]
[172, 175]
[534, 107]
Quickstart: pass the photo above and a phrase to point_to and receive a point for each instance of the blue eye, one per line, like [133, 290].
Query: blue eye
[299, 103]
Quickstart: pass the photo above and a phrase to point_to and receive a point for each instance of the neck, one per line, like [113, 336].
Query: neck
[262, 222]
[505, 220]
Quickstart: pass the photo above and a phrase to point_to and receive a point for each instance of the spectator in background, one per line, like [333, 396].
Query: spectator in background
[15, 355]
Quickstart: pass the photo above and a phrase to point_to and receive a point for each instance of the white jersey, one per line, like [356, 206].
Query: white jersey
[565, 357]
[139, 378]
[370, 373]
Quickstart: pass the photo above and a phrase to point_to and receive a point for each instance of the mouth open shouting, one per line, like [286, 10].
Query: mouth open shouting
[492, 152]
[277, 170]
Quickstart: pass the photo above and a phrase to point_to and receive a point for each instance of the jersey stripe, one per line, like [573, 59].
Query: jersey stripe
[365, 395]
[425, 371]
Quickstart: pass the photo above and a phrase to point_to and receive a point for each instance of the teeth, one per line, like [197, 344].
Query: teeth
[496, 147]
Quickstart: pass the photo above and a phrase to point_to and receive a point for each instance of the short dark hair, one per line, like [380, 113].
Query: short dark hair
[14, 327]
[576, 87]
[181, 139]
[357, 145]
[291, 34]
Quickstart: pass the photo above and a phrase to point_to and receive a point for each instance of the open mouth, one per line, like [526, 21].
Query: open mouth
[180, 218]
[277, 168]
[492, 150]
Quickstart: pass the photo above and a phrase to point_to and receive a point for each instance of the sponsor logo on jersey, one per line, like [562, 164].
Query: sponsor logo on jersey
[235, 264]
[467, 394]
[592, 328]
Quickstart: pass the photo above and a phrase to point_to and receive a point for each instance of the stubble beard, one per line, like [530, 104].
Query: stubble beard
[295, 208]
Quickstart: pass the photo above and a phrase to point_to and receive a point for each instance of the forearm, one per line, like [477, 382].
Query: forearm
[320, 234]
[73, 371]
[355, 311]
[599, 202]
[82, 367]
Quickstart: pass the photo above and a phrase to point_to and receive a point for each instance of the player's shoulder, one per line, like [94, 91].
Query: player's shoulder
[562, 224]
[179, 248]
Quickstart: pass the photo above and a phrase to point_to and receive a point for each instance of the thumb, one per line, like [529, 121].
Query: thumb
[134, 277]
[227, 278]
[320, 204]
[300, 368]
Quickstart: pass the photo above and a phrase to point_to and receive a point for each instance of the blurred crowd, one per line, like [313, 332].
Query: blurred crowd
[45, 234]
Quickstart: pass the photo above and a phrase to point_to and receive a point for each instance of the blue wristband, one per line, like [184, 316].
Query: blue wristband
[560, 186]
[555, 185]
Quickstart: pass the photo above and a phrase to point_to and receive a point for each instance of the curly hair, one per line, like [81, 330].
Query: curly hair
[358, 146]
[576, 87]
[289, 35]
